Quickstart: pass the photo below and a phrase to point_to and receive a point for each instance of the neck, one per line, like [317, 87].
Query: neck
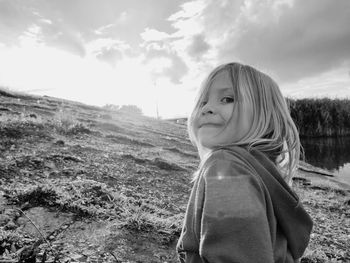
[202, 151]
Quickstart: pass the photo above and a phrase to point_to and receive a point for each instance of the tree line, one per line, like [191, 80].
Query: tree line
[313, 117]
[129, 109]
[321, 117]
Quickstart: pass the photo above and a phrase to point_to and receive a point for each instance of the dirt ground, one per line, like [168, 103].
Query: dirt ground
[84, 184]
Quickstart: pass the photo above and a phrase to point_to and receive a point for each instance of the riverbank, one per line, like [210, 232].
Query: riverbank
[321, 177]
[328, 202]
[84, 184]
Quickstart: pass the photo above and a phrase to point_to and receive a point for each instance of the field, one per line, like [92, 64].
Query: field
[80, 183]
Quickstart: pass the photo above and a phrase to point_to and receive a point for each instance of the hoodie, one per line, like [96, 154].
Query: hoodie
[241, 210]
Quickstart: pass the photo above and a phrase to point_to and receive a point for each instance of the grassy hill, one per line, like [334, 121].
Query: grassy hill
[84, 184]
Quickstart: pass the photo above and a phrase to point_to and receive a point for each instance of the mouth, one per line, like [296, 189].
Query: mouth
[215, 125]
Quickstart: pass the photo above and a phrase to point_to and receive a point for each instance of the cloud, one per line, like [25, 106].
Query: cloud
[198, 47]
[75, 23]
[174, 67]
[307, 38]
[293, 41]
[15, 19]
[39, 21]
[107, 49]
[332, 84]
[154, 35]
[110, 55]
[193, 40]
[61, 37]
[288, 39]
[184, 48]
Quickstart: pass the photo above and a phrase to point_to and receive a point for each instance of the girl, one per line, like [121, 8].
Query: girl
[241, 208]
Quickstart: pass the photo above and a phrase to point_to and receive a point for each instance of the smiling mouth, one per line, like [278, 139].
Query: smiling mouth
[216, 125]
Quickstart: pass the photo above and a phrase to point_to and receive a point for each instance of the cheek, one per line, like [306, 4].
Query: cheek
[229, 113]
[194, 126]
[194, 129]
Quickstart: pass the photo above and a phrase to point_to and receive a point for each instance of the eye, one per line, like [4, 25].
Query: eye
[203, 103]
[227, 99]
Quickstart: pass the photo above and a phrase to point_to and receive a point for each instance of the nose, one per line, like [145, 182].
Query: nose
[207, 109]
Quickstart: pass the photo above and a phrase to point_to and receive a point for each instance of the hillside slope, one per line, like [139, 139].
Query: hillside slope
[83, 184]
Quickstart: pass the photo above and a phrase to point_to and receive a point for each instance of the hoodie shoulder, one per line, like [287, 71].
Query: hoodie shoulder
[232, 156]
[225, 164]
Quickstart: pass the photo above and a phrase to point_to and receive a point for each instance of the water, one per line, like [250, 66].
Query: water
[331, 154]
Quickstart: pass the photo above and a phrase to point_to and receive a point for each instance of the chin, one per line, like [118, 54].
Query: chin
[208, 144]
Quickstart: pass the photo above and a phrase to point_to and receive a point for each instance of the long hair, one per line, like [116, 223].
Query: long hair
[273, 131]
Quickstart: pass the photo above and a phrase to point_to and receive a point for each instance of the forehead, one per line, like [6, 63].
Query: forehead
[221, 82]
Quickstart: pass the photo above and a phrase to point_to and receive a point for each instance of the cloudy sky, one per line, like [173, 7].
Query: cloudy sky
[157, 52]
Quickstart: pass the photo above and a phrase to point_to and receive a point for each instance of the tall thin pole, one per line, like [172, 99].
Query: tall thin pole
[155, 88]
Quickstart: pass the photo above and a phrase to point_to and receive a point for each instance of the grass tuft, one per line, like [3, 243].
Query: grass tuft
[82, 197]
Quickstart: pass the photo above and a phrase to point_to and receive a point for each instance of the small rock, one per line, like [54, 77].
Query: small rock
[13, 213]
[27, 240]
[13, 248]
[6, 253]
[4, 219]
[88, 253]
[76, 256]
[59, 142]
[51, 165]
[10, 226]
[2, 201]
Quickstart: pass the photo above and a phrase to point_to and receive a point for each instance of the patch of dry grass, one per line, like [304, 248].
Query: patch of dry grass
[330, 211]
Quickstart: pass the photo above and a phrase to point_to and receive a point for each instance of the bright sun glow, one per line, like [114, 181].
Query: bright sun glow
[43, 70]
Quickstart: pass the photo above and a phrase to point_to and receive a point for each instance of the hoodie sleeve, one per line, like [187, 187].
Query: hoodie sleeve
[234, 224]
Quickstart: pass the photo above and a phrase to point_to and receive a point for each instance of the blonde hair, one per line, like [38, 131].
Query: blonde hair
[273, 131]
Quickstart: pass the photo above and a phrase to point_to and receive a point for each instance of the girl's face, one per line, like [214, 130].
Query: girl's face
[221, 121]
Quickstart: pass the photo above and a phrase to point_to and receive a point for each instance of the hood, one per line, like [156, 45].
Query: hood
[294, 221]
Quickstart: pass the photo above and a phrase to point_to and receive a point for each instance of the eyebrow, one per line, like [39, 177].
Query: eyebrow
[226, 89]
